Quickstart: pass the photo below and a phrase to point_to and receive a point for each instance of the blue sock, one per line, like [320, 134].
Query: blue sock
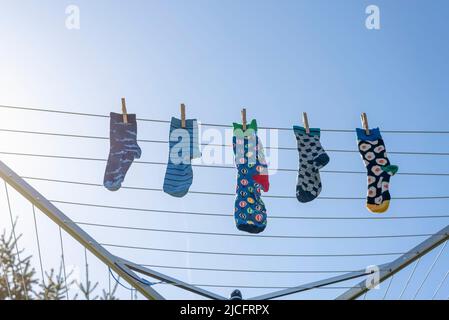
[250, 213]
[123, 150]
[183, 147]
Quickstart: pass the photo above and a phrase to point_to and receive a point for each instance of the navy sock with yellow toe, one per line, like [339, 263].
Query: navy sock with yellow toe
[379, 169]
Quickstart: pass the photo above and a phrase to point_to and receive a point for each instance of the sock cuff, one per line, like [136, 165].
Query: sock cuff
[301, 131]
[374, 134]
[117, 118]
[176, 123]
[250, 127]
[191, 129]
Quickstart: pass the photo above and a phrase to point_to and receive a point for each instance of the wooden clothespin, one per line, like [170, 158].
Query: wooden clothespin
[244, 119]
[365, 123]
[183, 115]
[125, 113]
[305, 120]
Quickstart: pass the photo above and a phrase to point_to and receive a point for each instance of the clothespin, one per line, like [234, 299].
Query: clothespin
[125, 113]
[183, 115]
[244, 119]
[365, 123]
[305, 120]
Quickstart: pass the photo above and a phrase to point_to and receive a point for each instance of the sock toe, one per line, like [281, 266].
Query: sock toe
[378, 208]
[112, 185]
[304, 196]
[250, 228]
[176, 192]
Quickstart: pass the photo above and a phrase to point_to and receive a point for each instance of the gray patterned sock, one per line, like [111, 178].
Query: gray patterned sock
[312, 158]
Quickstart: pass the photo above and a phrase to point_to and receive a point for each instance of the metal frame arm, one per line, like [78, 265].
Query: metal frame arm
[180, 284]
[122, 267]
[385, 271]
[313, 285]
[389, 269]
[74, 230]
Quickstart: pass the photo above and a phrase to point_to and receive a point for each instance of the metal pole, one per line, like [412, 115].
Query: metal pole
[73, 230]
[162, 277]
[313, 285]
[389, 269]
[121, 266]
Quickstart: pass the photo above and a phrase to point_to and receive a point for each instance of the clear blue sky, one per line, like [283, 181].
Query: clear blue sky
[276, 58]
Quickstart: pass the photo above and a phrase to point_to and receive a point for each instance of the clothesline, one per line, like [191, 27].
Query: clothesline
[332, 237]
[219, 270]
[213, 285]
[315, 217]
[252, 254]
[211, 166]
[256, 287]
[391, 236]
[248, 270]
[215, 124]
[414, 153]
[225, 193]
[252, 271]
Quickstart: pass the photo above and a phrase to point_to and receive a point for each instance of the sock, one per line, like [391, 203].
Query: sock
[262, 175]
[379, 169]
[252, 177]
[312, 158]
[123, 150]
[183, 147]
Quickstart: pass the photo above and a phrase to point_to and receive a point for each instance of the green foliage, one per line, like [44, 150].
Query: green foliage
[54, 286]
[18, 279]
[17, 276]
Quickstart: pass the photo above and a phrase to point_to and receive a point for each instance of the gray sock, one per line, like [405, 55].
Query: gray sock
[312, 158]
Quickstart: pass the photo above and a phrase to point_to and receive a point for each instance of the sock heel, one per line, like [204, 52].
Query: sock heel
[392, 169]
[322, 160]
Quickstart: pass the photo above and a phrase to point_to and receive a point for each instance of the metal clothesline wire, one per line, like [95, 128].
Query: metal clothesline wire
[388, 288]
[16, 245]
[254, 236]
[323, 286]
[240, 286]
[66, 135]
[410, 278]
[440, 285]
[252, 254]
[213, 285]
[247, 270]
[220, 193]
[430, 270]
[131, 289]
[38, 244]
[215, 124]
[63, 263]
[227, 215]
[225, 193]
[326, 285]
[253, 287]
[209, 166]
